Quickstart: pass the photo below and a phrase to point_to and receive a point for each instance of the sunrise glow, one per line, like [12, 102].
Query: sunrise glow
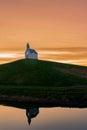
[48, 23]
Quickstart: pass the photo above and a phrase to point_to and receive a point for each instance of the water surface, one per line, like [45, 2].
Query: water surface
[45, 119]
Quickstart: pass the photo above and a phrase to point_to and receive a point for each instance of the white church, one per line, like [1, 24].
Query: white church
[30, 53]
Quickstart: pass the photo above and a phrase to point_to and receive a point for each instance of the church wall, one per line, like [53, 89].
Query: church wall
[33, 56]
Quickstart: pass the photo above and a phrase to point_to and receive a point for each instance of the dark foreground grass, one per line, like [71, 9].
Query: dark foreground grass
[45, 92]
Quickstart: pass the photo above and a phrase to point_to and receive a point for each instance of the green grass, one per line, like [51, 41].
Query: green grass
[42, 73]
[44, 92]
[43, 79]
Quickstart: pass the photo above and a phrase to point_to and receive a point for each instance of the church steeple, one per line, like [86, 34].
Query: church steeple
[28, 46]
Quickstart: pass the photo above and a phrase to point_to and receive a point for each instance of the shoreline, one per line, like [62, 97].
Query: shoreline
[43, 102]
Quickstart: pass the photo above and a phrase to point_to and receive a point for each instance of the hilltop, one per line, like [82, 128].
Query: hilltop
[42, 73]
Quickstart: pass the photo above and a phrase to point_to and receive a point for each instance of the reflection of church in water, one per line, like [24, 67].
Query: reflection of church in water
[31, 113]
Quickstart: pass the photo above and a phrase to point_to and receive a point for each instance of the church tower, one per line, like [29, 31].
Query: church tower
[30, 53]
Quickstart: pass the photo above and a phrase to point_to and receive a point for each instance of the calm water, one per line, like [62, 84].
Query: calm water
[43, 119]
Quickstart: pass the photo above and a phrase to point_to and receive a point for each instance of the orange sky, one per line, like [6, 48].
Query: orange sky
[44, 23]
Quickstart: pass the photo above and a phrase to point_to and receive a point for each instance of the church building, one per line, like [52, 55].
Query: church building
[30, 53]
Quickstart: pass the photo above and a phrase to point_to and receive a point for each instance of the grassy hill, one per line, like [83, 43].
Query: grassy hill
[42, 73]
[44, 83]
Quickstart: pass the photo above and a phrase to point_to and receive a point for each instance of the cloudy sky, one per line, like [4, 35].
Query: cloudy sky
[43, 23]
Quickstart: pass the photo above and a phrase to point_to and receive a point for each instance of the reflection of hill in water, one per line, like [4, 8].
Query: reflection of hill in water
[23, 105]
[32, 109]
[30, 105]
[44, 104]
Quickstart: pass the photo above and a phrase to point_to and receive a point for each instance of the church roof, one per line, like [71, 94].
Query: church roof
[33, 51]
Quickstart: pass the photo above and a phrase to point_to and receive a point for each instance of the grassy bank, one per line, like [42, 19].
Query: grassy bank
[43, 96]
[44, 91]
